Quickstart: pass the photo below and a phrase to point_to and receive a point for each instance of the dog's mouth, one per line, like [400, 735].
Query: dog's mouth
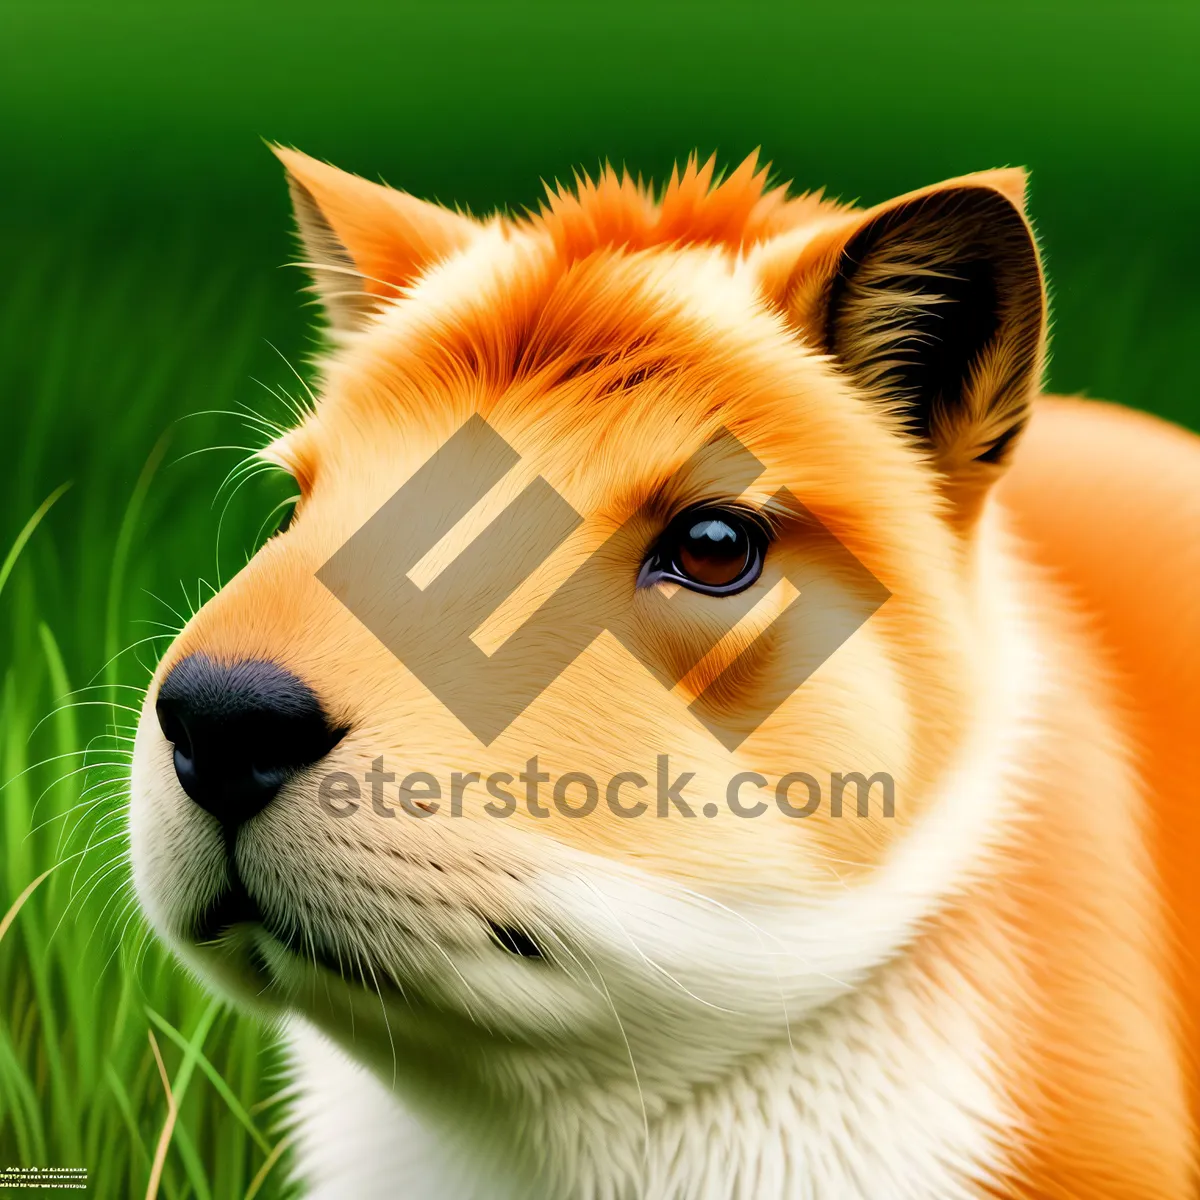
[235, 906]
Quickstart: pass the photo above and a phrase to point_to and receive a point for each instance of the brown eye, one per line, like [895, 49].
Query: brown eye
[715, 551]
[712, 551]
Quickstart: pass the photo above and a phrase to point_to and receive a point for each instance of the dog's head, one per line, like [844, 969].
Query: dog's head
[681, 497]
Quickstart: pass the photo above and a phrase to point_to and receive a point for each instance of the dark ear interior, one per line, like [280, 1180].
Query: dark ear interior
[937, 308]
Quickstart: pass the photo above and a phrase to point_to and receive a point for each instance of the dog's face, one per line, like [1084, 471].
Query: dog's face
[814, 616]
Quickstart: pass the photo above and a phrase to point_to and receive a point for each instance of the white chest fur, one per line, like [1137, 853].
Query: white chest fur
[882, 1096]
[881, 1090]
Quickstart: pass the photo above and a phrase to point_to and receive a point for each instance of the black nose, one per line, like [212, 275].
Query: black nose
[240, 730]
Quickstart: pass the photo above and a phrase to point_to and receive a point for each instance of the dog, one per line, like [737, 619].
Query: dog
[817, 530]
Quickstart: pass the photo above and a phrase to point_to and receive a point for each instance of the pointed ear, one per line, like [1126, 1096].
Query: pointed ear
[363, 242]
[934, 304]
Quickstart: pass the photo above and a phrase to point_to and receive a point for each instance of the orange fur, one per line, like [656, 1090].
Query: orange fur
[609, 335]
[1117, 522]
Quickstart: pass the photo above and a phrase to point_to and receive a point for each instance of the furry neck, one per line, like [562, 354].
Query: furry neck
[887, 1089]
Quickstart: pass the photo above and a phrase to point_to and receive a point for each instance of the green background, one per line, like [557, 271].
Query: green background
[143, 230]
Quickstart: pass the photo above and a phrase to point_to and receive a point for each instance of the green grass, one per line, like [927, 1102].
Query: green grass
[84, 988]
[141, 226]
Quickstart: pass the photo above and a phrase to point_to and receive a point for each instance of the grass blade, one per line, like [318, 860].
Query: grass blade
[26, 533]
[19, 902]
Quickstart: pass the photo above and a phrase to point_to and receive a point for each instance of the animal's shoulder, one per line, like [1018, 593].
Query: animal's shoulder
[1109, 500]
